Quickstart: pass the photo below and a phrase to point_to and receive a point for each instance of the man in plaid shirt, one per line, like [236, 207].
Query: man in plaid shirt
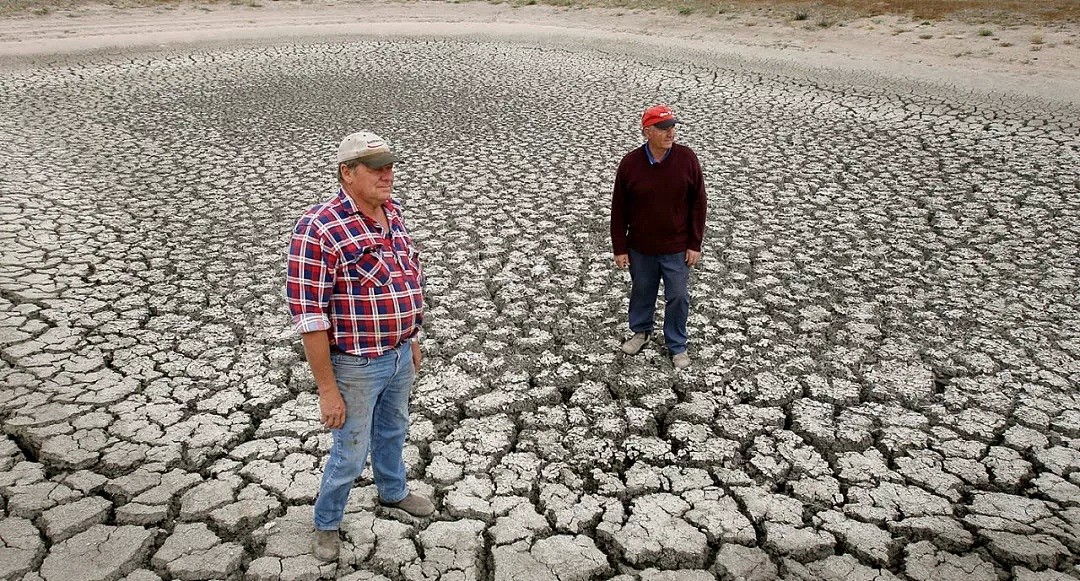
[354, 290]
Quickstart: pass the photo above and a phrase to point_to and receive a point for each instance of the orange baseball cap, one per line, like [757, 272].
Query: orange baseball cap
[659, 115]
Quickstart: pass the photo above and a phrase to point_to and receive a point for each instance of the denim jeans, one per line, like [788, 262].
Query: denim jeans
[646, 271]
[376, 393]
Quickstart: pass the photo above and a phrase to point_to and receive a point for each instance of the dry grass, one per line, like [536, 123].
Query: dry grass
[1006, 12]
[43, 7]
[995, 11]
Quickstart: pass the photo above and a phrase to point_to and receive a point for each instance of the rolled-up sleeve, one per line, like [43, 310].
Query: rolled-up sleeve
[309, 278]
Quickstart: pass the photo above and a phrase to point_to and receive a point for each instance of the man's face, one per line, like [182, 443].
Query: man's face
[660, 138]
[371, 186]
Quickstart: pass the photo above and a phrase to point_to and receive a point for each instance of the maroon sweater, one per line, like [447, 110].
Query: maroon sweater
[659, 208]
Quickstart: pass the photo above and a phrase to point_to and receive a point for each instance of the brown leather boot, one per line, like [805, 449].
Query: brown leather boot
[326, 545]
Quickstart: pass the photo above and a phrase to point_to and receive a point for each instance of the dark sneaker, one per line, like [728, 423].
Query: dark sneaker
[681, 360]
[413, 504]
[634, 344]
[326, 545]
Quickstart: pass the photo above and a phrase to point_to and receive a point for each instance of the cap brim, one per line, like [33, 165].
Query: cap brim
[666, 124]
[376, 160]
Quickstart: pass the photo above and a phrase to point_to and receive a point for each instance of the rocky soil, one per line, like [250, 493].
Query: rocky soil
[885, 323]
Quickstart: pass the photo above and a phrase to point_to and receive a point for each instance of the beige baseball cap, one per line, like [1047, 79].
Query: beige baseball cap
[367, 147]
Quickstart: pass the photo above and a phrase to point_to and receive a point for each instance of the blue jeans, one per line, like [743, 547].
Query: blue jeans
[646, 271]
[376, 393]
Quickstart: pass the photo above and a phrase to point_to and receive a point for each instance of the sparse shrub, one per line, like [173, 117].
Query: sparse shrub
[1006, 44]
[43, 11]
[985, 32]
[824, 23]
[1037, 38]
[801, 15]
[686, 10]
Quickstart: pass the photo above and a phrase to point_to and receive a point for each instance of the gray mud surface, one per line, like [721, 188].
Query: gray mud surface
[886, 324]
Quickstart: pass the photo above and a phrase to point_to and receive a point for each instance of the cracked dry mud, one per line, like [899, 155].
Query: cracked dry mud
[885, 326]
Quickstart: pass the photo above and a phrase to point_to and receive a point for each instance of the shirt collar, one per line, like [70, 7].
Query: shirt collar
[349, 207]
[649, 155]
[346, 202]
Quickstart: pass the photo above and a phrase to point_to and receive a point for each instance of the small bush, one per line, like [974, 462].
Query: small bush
[985, 32]
[801, 15]
[1037, 38]
[686, 10]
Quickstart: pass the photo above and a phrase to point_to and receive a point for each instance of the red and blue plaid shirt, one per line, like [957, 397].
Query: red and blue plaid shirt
[345, 275]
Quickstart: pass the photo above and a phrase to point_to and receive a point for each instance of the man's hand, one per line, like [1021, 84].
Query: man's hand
[416, 355]
[692, 257]
[332, 408]
[622, 260]
[331, 404]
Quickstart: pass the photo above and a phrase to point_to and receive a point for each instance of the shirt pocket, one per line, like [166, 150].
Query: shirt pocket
[365, 267]
[412, 260]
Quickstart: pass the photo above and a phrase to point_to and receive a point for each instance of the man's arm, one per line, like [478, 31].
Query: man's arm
[619, 220]
[331, 404]
[309, 280]
[698, 207]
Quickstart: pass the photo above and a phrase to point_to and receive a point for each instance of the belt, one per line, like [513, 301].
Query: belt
[340, 351]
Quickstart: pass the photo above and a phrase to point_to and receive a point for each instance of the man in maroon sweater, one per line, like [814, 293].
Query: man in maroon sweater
[657, 224]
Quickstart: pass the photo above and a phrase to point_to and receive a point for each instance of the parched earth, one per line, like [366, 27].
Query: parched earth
[886, 324]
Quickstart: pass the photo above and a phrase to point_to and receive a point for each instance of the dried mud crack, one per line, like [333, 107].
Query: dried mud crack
[885, 327]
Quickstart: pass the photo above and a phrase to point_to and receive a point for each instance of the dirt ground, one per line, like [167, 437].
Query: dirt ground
[1028, 59]
[885, 331]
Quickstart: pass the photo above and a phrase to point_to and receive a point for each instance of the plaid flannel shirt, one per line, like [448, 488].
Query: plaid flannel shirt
[345, 275]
